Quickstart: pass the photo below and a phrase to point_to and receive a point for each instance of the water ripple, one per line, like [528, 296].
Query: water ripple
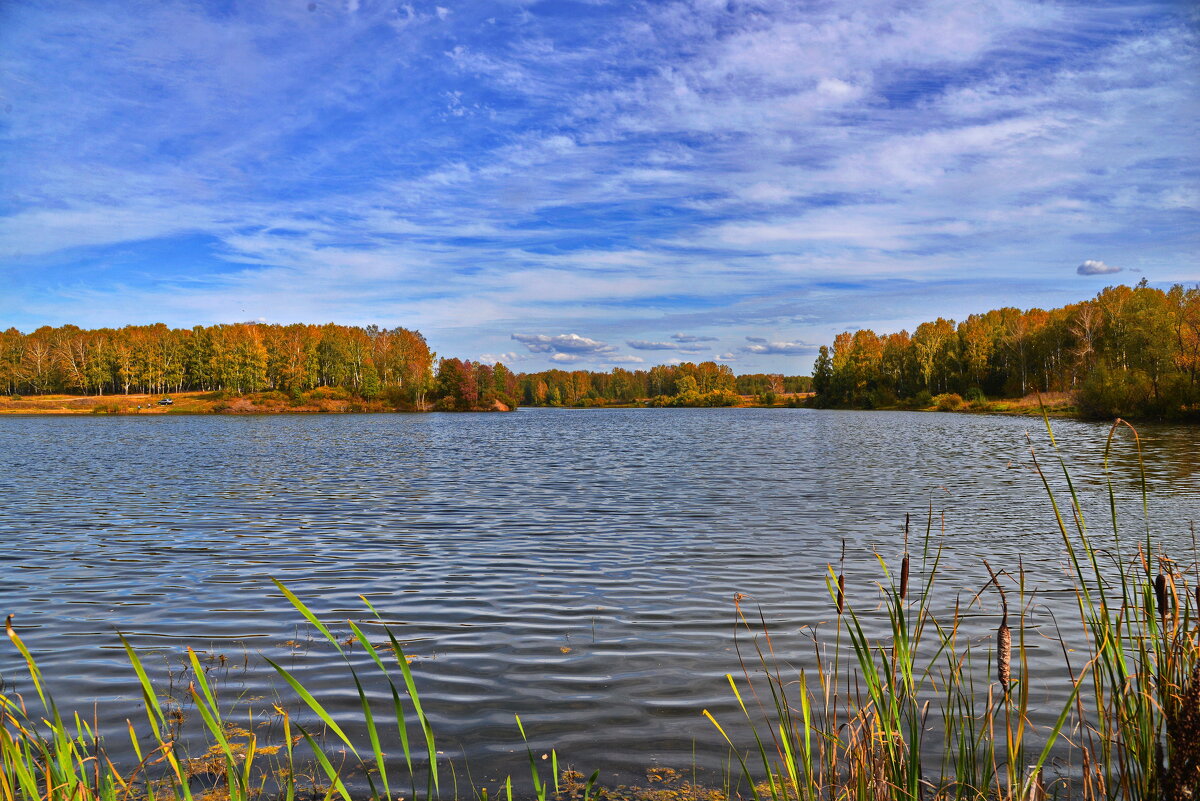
[577, 569]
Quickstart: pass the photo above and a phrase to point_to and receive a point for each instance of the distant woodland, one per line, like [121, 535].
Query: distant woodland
[687, 384]
[391, 365]
[1129, 352]
[303, 364]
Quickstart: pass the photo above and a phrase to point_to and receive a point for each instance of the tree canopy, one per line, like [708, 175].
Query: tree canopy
[239, 357]
[1130, 352]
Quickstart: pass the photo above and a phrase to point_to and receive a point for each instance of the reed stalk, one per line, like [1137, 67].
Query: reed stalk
[1129, 729]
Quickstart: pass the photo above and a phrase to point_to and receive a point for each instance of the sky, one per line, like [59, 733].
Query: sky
[592, 184]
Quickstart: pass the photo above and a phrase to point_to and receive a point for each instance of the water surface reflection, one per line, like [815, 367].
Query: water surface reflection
[575, 567]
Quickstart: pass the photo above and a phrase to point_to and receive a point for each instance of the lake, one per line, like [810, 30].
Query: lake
[575, 567]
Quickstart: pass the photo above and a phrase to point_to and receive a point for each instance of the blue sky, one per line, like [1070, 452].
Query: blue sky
[592, 184]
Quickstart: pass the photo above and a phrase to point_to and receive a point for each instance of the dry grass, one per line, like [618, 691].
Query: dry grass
[190, 403]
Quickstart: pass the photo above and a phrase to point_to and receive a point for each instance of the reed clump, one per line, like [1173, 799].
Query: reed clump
[917, 708]
[46, 756]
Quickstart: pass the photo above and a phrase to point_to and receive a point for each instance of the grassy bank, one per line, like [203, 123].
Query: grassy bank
[337, 400]
[332, 400]
[1053, 404]
[915, 708]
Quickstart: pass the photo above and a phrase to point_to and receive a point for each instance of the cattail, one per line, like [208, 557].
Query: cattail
[1003, 636]
[1160, 594]
[1003, 654]
[904, 564]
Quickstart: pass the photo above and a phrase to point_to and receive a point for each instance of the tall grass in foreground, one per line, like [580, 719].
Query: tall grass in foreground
[46, 756]
[920, 711]
[924, 713]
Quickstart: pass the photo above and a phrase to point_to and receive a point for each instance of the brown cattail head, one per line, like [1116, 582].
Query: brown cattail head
[1003, 634]
[1160, 594]
[904, 578]
[1003, 655]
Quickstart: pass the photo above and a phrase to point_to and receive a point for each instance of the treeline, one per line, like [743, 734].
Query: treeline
[369, 362]
[463, 385]
[687, 384]
[1129, 352]
[394, 365]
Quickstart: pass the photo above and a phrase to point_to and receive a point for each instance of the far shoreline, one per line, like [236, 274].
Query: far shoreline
[334, 401]
[1060, 405]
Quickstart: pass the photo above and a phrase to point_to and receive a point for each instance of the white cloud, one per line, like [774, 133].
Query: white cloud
[563, 344]
[508, 357]
[762, 347]
[685, 345]
[725, 168]
[1096, 267]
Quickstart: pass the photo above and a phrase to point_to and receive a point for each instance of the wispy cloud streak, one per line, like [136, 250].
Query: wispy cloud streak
[763, 177]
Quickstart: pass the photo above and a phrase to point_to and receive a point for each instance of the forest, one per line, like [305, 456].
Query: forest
[686, 384]
[392, 365]
[1129, 352]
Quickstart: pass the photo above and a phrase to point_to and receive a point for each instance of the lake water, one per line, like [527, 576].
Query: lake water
[575, 567]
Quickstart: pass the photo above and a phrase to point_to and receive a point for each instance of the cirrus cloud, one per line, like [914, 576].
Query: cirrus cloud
[637, 169]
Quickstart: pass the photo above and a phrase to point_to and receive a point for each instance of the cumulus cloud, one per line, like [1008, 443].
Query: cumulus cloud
[507, 356]
[682, 346]
[692, 338]
[564, 345]
[1096, 267]
[763, 347]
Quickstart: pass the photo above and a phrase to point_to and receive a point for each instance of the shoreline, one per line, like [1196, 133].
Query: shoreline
[1060, 405]
[321, 401]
